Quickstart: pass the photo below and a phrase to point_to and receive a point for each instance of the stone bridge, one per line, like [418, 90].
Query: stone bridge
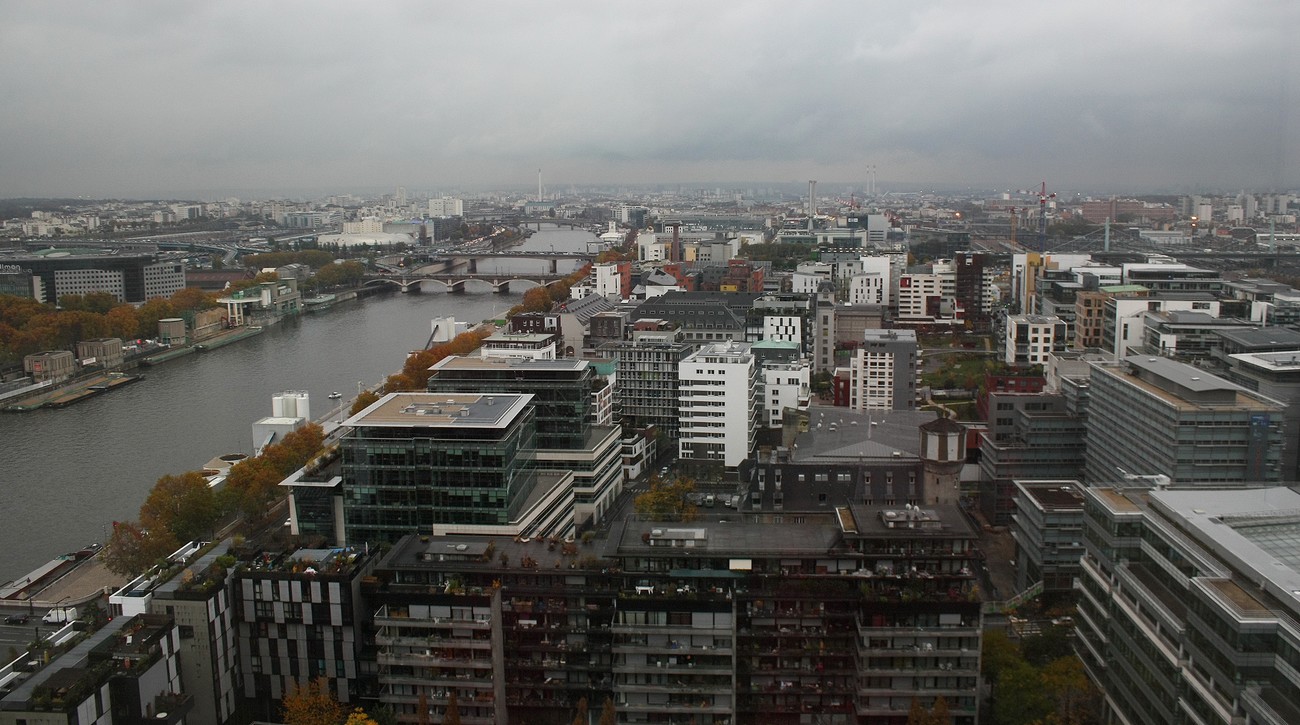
[454, 282]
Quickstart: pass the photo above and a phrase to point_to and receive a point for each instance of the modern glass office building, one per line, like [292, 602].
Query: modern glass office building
[415, 460]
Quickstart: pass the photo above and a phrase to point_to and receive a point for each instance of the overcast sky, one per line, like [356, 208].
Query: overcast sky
[184, 98]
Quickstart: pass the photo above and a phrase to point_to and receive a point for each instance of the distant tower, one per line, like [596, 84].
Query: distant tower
[539, 184]
[812, 202]
[943, 453]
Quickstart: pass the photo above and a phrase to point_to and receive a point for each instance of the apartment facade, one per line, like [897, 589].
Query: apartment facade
[721, 404]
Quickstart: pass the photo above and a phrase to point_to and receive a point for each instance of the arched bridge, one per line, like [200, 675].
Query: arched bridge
[469, 260]
[454, 282]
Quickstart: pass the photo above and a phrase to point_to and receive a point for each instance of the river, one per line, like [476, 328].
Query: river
[66, 475]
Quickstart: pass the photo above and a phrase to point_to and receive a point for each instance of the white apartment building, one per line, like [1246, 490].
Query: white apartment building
[523, 346]
[808, 277]
[915, 292]
[163, 279]
[783, 328]
[446, 206]
[1030, 338]
[720, 403]
[369, 225]
[883, 372]
[606, 280]
[785, 385]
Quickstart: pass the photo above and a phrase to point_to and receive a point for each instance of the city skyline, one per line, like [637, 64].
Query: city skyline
[133, 101]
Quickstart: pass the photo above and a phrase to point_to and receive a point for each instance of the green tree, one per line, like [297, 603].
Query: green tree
[1019, 697]
[183, 505]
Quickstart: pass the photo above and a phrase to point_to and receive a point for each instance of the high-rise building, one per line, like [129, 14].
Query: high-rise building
[721, 405]
[882, 373]
[446, 206]
[1155, 416]
[647, 369]
[432, 462]
[1030, 338]
[563, 393]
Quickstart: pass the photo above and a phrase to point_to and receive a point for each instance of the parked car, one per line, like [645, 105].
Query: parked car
[16, 619]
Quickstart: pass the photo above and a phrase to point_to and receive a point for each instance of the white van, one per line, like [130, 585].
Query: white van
[62, 615]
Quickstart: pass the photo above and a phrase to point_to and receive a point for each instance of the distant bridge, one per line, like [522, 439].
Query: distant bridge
[454, 282]
[470, 260]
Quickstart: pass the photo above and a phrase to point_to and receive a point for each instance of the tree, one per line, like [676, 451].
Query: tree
[131, 550]
[359, 717]
[183, 505]
[312, 704]
[193, 298]
[607, 714]
[123, 322]
[667, 500]
[1076, 700]
[363, 401]
[150, 313]
[581, 717]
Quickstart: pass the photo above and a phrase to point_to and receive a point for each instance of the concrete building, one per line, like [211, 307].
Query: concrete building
[124, 673]
[133, 278]
[301, 617]
[104, 352]
[648, 366]
[1188, 608]
[1030, 338]
[1047, 527]
[1276, 375]
[520, 346]
[883, 373]
[786, 386]
[1155, 416]
[760, 623]
[1030, 437]
[721, 404]
[446, 206]
[842, 327]
[50, 366]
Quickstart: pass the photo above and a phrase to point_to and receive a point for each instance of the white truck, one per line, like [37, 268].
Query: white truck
[60, 615]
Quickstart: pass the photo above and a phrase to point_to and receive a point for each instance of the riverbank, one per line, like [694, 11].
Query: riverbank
[196, 405]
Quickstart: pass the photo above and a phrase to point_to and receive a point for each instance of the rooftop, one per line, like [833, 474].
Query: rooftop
[457, 362]
[1054, 495]
[441, 410]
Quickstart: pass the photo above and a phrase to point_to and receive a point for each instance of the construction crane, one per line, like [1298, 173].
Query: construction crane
[1043, 196]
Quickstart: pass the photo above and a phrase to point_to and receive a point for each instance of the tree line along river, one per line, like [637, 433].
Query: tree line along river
[66, 475]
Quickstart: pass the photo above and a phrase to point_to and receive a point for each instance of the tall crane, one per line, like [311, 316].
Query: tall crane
[1043, 196]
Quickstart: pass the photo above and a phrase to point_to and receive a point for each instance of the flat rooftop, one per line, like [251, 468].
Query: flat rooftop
[457, 362]
[738, 537]
[1186, 387]
[441, 410]
[1054, 495]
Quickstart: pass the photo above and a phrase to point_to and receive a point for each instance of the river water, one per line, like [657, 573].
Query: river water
[66, 475]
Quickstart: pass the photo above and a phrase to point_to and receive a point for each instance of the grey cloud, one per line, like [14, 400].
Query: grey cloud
[157, 98]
